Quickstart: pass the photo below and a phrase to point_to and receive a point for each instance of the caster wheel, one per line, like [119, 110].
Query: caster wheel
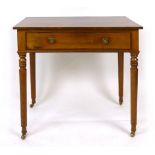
[132, 134]
[31, 105]
[121, 101]
[23, 137]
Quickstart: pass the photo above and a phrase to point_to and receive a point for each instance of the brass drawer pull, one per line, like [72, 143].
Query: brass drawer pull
[51, 40]
[105, 41]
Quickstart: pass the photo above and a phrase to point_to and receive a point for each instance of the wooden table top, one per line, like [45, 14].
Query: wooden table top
[116, 22]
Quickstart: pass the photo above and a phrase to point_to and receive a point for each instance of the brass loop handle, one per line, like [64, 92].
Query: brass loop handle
[105, 41]
[51, 40]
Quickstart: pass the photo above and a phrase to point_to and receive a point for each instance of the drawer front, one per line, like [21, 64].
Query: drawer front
[49, 40]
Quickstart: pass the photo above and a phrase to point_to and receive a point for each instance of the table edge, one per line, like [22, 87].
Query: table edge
[77, 28]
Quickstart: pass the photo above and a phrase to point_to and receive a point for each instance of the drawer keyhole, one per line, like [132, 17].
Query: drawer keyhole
[51, 40]
[105, 41]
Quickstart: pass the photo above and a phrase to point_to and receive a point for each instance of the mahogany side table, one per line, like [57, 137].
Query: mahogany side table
[78, 34]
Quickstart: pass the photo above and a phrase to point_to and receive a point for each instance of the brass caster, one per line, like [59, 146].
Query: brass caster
[120, 101]
[23, 137]
[31, 105]
[132, 134]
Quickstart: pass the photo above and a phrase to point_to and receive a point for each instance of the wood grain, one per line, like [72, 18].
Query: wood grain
[120, 75]
[33, 78]
[81, 40]
[134, 89]
[116, 22]
[23, 92]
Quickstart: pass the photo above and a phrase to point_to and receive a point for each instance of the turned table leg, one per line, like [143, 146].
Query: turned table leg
[134, 87]
[120, 75]
[23, 92]
[33, 79]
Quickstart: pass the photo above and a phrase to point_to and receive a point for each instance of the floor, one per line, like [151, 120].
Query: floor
[77, 105]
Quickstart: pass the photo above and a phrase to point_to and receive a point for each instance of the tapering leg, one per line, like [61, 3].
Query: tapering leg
[134, 87]
[120, 75]
[33, 79]
[23, 92]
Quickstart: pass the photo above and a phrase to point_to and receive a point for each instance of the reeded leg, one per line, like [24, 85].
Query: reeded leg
[33, 79]
[120, 75]
[134, 87]
[23, 92]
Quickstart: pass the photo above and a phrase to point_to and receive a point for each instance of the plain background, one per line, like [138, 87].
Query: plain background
[77, 109]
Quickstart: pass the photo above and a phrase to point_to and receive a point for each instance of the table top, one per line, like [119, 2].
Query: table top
[96, 22]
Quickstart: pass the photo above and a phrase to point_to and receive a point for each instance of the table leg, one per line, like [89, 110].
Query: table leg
[120, 75]
[134, 87]
[23, 92]
[33, 79]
